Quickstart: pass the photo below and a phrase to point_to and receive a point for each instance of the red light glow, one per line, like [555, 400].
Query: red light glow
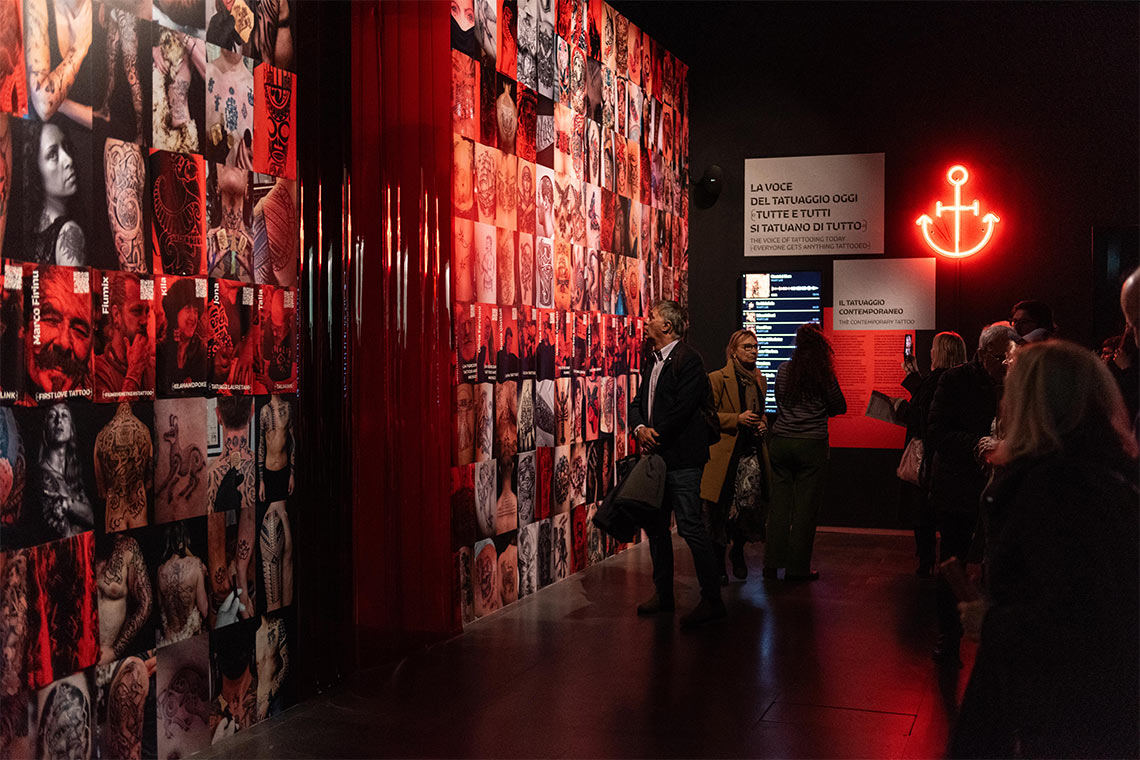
[957, 176]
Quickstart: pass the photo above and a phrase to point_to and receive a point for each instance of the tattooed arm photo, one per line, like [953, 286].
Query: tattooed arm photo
[48, 88]
[125, 177]
[277, 557]
[65, 718]
[185, 12]
[130, 685]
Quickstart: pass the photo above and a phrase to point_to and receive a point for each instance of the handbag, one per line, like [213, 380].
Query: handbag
[635, 500]
[910, 466]
[748, 504]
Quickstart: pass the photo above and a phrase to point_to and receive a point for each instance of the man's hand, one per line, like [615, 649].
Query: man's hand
[647, 438]
[138, 356]
[748, 418]
[230, 610]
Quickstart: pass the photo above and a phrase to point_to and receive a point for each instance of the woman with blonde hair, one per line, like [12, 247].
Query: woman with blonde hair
[738, 391]
[1057, 668]
[947, 350]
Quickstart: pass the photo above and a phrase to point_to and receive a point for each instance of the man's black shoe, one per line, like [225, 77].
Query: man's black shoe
[704, 612]
[655, 604]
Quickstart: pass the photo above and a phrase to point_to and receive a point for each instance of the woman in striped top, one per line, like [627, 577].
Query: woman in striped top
[807, 394]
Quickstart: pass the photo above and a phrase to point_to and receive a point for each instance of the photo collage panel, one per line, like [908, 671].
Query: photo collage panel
[149, 262]
[570, 218]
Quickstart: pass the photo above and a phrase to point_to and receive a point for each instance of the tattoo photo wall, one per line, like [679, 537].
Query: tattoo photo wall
[149, 260]
[570, 217]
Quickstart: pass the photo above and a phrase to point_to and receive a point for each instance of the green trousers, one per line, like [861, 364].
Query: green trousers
[799, 466]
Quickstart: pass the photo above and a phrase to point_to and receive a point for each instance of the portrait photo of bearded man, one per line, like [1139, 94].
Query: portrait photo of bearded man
[124, 350]
[58, 355]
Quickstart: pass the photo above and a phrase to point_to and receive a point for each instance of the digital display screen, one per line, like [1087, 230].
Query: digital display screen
[773, 305]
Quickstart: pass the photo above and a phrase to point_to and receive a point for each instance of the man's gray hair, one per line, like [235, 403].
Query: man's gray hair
[673, 313]
[997, 334]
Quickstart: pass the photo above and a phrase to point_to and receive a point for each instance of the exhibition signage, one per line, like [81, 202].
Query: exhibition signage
[958, 176]
[884, 294]
[866, 362]
[813, 205]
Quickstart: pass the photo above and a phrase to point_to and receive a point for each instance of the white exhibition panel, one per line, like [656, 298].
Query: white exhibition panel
[814, 205]
[884, 294]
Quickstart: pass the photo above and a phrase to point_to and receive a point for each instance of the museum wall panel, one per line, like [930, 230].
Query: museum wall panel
[149, 307]
[568, 218]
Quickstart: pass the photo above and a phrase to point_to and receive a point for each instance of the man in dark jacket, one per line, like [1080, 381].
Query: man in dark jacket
[961, 415]
[666, 419]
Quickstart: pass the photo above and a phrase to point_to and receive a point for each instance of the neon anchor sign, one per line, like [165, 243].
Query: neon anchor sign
[957, 176]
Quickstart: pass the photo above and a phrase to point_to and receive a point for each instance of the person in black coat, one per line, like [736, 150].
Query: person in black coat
[666, 419]
[1058, 667]
[961, 416]
[948, 350]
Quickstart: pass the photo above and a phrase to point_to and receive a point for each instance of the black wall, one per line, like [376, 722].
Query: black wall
[1040, 101]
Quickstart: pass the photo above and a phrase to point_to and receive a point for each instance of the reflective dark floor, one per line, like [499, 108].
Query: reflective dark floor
[836, 668]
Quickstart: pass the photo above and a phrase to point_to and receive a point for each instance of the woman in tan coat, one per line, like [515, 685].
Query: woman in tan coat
[738, 391]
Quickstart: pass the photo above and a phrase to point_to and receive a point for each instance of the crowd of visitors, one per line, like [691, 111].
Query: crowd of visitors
[1025, 471]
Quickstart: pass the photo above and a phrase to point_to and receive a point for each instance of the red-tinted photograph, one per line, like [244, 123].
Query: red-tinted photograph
[463, 421]
[486, 263]
[463, 177]
[526, 268]
[276, 231]
[182, 329]
[464, 95]
[526, 138]
[275, 121]
[488, 321]
[124, 337]
[633, 64]
[62, 609]
[507, 277]
[486, 177]
[13, 80]
[488, 95]
[276, 367]
[506, 59]
[543, 476]
[544, 200]
[178, 213]
[462, 506]
[506, 114]
[229, 228]
[525, 217]
[58, 334]
[508, 363]
[563, 274]
[578, 539]
[594, 25]
[544, 272]
[11, 331]
[463, 261]
[506, 422]
[565, 343]
[232, 343]
[467, 340]
[592, 198]
[506, 193]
